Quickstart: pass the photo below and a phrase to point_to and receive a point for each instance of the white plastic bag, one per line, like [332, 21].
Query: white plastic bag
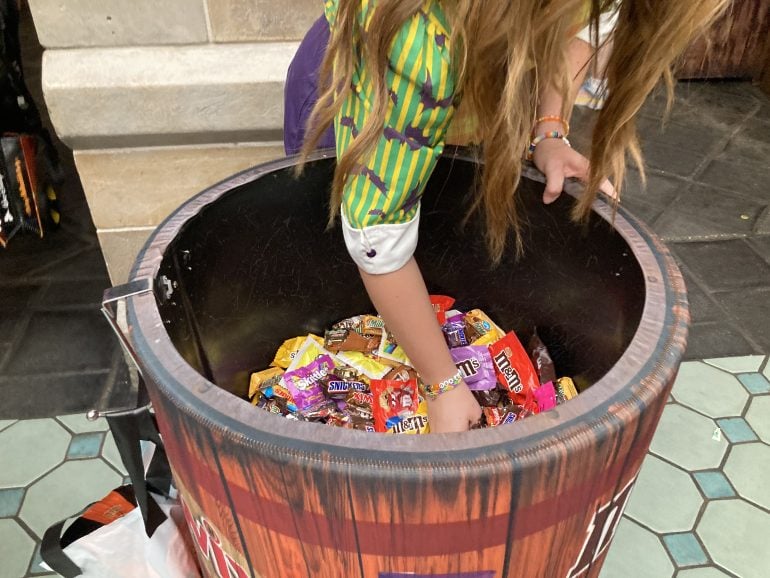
[122, 549]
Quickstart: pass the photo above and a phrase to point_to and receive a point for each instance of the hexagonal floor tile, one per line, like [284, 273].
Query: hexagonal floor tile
[16, 549]
[686, 439]
[748, 468]
[31, 447]
[736, 430]
[714, 484]
[755, 383]
[664, 498]
[741, 364]
[636, 553]
[10, 501]
[758, 417]
[4, 423]
[78, 423]
[766, 371]
[709, 390]
[702, 573]
[685, 549]
[111, 454]
[735, 534]
[66, 491]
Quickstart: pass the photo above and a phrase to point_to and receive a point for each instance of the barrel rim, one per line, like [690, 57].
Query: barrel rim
[645, 368]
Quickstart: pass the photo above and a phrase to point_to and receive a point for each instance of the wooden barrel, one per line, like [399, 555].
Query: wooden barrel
[249, 262]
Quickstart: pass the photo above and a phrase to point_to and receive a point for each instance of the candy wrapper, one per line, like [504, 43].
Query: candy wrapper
[350, 340]
[475, 365]
[360, 404]
[264, 378]
[514, 369]
[278, 391]
[402, 373]
[397, 407]
[304, 383]
[454, 333]
[565, 389]
[541, 360]
[490, 398]
[389, 349]
[311, 349]
[481, 329]
[545, 396]
[495, 416]
[441, 304]
[289, 349]
[369, 367]
[336, 388]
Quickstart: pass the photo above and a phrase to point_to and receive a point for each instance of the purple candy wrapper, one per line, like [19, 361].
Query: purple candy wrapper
[545, 395]
[304, 383]
[454, 333]
[475, 364]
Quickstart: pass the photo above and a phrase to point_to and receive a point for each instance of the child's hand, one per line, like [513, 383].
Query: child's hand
[557, 161]
[455, 410]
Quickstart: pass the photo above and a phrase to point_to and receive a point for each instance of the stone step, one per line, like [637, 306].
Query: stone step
[167, 95]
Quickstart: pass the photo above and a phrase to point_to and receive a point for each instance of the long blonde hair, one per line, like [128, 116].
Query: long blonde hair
[504, 51]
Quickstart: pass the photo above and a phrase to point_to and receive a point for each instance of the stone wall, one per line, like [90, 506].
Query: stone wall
[160, 99]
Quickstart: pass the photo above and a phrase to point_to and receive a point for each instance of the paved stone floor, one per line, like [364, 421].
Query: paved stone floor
[701, 506]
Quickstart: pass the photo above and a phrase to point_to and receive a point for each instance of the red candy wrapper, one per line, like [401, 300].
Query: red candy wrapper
[394, 401]
[514, 370]
[441, 304]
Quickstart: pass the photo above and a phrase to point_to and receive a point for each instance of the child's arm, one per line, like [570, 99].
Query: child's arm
[555, 159]
[402, 300]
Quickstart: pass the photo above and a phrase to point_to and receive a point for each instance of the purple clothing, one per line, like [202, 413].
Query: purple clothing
[301, 90]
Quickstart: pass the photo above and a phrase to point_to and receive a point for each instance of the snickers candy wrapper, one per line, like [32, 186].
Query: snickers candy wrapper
[265, 378]
[541, 359]
[475, 365]
[304, 383]
[514, 370]
[350, 340]
[398, 408]
[336, 388]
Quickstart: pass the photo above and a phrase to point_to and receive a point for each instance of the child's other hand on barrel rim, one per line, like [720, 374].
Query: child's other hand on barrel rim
[453, 411]
[558, 161]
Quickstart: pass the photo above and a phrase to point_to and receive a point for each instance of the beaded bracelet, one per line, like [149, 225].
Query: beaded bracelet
[554, 118]
[432, 391]
[540, 138]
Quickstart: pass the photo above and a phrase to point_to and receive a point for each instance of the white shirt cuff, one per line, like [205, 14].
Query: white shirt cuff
[380, 249]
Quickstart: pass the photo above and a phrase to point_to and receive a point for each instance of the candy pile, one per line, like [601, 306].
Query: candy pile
[358, 377]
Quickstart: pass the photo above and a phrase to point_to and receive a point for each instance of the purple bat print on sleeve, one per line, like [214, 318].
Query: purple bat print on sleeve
[348, 121]
[440, 40]
[411, 200]
[426, 95]
[374, 178]
[412, 137]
